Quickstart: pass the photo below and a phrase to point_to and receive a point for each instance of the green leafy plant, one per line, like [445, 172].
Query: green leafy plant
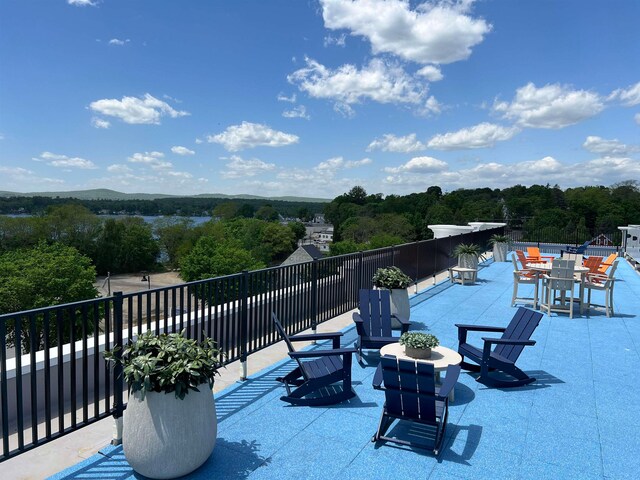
[391, 278]
[467, 249]
[168, 363]
[498, 239]
[419, 340]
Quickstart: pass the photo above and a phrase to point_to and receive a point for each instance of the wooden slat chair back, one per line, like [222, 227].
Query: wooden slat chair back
[592, 263]
[521, 327]
[534, 255]
[523, 259]
[608, 262]
[576, 257]
[375, 311]
[374, 321]
[559, 285]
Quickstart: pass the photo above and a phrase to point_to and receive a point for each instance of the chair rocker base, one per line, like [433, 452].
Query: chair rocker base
[521, 378]
[386, 421]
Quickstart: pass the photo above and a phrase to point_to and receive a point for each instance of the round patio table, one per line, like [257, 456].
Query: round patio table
[545, 268]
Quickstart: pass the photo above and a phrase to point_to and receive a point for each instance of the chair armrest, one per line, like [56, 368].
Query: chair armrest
[453, 372]
[322, 353]
[480, 328]
[405, 323]
[550, 257]
[335, 336]
[508, 341]
[357, 318]
[377, 378]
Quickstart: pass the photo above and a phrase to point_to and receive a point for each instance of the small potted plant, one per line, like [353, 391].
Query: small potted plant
[468, 255]
[395, 280]
[418, 344]
[171, 406]
[500, 244]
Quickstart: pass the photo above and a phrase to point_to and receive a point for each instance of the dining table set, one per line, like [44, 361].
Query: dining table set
[555, 279]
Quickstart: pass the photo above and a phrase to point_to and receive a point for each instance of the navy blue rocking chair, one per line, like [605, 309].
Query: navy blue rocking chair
[374, 321]
[411, 395]
[320, 370]
[507, 349]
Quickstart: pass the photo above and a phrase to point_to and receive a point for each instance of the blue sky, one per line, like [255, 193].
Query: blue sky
[312, 97]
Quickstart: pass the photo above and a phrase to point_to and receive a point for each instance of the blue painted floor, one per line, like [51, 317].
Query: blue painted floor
[581, 419]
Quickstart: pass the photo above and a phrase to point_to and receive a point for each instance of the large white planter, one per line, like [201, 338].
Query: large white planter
[442, 231]
[500, 252]
[400, 305]
[165, 437]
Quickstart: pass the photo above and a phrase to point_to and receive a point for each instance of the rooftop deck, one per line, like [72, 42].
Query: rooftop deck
[581, 419]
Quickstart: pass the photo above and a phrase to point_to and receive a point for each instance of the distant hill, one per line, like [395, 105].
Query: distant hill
[106, 194]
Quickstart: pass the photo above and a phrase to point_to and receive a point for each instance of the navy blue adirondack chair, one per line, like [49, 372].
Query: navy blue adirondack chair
[374, 321]
[507, 349]
[320, 369]
[411, 395]
[581, 249]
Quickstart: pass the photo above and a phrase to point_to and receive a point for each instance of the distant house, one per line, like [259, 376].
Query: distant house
[602, 241]
[304, 253]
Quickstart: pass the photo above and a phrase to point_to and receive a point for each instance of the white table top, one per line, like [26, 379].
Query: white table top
[441, 357]
[546, 267]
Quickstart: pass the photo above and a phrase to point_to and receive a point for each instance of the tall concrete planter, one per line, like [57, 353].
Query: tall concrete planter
[165, 437]
[468, 261]
[400, 305]
[500, 252]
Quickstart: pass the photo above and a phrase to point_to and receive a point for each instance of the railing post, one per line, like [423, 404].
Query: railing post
[417, 265]
[118, 379]
[360, 269]
[244, 322]
[314, 295]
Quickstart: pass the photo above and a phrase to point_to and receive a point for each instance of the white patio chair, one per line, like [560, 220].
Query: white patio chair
[558, 288]
[604, 283]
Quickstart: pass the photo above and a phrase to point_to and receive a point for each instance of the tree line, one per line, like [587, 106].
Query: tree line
[362, 221]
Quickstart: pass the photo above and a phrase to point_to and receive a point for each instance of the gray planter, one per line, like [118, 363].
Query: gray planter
[500, 252]
[400, 305]
[468, 261]
[421, 353]
[165, 437]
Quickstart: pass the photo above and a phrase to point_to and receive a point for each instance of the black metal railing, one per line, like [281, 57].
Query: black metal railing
[53, 379]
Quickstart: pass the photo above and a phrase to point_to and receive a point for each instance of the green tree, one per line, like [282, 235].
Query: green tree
[267, 213]
[226, 210]
[74, 225]
[126, 245]
[211, 258]
[298, 229]
[42, 276]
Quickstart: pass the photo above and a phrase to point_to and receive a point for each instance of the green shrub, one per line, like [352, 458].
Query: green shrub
[419, 340]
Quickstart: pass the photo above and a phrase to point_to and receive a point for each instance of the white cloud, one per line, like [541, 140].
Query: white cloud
[546, 170]
[379, 81]
[155, 160]
[283, 98]
[551, 106]
[637, 118]
[250, 135]
[629, 96]
[339, 40]
[198, 141]
[299, 111]
[100, 123]
[132, 110]
[608, 148]
[118, 168]
[83, 3]
[483, 135]
[63, 161]
[392, 143]
[332, 165]
[184, 175]
[15, 171]
[237, 167]
[118, 42]
[432, 106]
[420, 165]
[435, 32]
[431, 73]
[178, 150]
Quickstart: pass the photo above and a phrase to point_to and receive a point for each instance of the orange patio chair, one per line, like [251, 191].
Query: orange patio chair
[607, 263]
[533, 255]
[592, 263]
[524, 261]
